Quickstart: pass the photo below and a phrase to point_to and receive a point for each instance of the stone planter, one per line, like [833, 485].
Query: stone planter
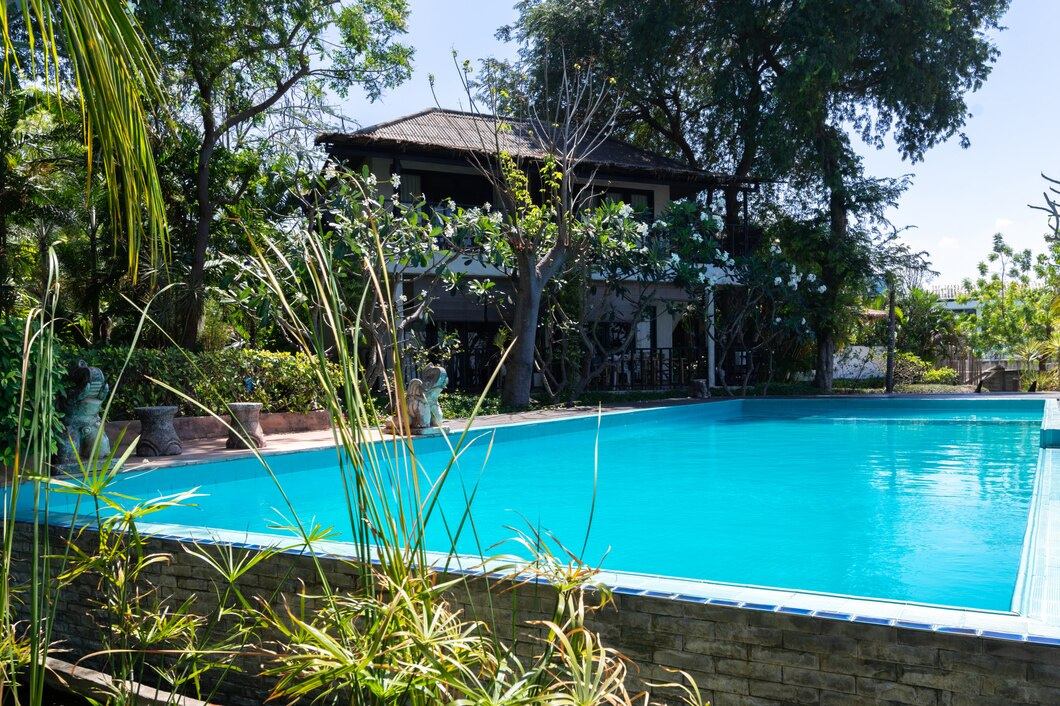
[246, 423]
[192, 428]
[157, 435]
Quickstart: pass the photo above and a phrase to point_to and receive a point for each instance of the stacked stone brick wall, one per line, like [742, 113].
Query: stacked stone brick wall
[739, 657]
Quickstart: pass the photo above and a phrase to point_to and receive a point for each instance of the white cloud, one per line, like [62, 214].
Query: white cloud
[1002, 223]
[947, 243]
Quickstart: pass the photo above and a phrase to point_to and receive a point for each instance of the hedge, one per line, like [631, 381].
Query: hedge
[282, 382]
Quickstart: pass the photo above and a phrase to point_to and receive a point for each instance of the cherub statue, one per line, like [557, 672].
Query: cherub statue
[421, 398]
[81, 418]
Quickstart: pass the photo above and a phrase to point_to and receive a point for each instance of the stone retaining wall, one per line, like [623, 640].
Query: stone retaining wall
[739, 656]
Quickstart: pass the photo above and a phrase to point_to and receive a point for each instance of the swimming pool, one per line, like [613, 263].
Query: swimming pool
[922, 501]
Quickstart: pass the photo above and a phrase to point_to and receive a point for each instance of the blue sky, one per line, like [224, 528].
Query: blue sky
[959, 198]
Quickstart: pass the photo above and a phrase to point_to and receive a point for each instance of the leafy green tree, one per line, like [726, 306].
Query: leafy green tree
[243, 72]
[789, 83]
[694, 77]
[927, 330]
[898, 71]
[1012, 316]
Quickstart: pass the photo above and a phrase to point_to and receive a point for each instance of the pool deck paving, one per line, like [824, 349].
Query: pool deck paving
[213, 449]
[205, 450]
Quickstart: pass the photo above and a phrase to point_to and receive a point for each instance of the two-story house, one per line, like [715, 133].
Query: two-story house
[439, 155]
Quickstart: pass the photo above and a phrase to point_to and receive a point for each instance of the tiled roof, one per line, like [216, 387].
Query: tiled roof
[454, 132]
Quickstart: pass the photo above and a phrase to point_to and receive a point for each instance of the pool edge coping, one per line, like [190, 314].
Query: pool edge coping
[1000, 625]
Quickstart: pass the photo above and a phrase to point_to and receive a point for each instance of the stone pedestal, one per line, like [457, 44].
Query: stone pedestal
[699, 389]
[157, 435]
[389, 428]
[246, 421]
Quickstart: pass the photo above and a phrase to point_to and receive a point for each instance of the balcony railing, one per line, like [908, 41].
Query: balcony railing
[652, 369]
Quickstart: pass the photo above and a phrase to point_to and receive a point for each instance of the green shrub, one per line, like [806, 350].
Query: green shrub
[282, 382]
[909, 369]
[1046, 379]
[11, 355]
[941, 376]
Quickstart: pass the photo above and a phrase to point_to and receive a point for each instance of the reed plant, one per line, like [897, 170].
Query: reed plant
[400, 633]
[144, 637]
[400, 637]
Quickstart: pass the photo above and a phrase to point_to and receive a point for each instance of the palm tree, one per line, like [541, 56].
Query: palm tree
[97, 46]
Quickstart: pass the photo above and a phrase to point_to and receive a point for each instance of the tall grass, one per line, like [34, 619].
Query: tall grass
[24, 644]
[398, 635]
[143, 635]
[400, 639]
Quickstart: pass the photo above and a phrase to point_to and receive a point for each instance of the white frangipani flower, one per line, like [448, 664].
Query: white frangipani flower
[625, 210]
[395, 181]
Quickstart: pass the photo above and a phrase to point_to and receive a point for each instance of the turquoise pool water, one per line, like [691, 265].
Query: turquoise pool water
[924, 501]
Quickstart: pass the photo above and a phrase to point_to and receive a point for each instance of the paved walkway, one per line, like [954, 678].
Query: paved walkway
[204, 450]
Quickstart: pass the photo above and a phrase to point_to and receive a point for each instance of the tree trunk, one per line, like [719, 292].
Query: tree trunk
[891, 335]
[93, 284]
[6, 290]
[194, 302]
[825, 358]
[837, 216]
[519, 368]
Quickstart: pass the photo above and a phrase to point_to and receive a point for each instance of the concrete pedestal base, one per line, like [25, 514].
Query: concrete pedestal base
[246, 423]
[157, 435]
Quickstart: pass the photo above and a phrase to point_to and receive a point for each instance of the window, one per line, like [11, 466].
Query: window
[641, 201]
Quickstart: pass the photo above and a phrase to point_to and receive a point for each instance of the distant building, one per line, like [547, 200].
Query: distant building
[949, 298]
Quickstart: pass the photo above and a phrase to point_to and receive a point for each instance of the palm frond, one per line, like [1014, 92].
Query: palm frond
[117, 78]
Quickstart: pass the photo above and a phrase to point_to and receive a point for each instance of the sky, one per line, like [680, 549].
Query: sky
[959, 197]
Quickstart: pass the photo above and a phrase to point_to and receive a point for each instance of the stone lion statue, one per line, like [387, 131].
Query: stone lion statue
[421, 398]
[80, 407]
